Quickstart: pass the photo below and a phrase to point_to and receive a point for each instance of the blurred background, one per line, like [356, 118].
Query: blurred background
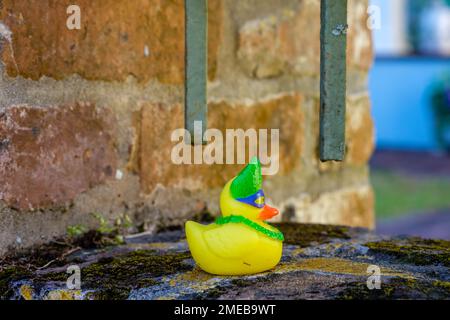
[410, 86]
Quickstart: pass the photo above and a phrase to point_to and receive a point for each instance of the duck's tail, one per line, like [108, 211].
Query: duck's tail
[196, 241]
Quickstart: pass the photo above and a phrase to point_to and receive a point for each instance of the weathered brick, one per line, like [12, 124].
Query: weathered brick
[350, 206]
[289, 41]
[118, 38]
[50, 155]
[360, 131]
[360, 45]
[158, 121]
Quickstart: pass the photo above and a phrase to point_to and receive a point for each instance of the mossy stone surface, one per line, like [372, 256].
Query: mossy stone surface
[304, 235]
[8, 275]
[414, 250]
[114, 278]
[319, 262]
[397, 289]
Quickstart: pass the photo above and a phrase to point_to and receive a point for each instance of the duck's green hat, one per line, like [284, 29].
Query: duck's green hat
[248, 181]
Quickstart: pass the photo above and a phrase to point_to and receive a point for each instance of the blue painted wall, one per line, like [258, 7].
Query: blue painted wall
[400, 95]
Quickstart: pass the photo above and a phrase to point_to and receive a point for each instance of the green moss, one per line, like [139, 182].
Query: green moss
[241, 283]
[76, 230]
[9, 275]
[414, 250]
[443, 285]
[113, 278]
[305, 235]
[54, 252]
[38, 256]
[217, 292]
[212, 294]
[21, 265]
[398, 288]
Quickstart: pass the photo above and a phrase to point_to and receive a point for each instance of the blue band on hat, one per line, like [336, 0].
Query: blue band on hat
[256, 200]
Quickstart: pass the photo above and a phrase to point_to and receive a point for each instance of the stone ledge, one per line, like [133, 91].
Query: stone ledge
[319, 262]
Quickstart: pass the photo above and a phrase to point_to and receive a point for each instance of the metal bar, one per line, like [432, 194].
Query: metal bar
[196, 68]
[333, 45]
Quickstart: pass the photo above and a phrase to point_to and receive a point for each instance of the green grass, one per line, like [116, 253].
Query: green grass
[400, 195]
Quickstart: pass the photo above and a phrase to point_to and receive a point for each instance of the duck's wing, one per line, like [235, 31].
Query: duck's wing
[231, 240]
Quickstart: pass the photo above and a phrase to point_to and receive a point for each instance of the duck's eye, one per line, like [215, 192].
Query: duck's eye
[260, 201]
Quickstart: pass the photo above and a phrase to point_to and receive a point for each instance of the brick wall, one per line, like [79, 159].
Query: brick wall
[86, 115]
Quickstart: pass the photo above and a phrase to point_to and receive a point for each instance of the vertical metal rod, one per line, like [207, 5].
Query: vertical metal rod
[196, 68]
[333, 45]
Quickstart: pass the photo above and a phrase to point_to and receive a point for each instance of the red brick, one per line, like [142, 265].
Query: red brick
[158, 121]
[110, 44]
[50, 155]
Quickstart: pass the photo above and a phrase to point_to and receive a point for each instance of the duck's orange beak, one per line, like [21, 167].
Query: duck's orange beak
[268, 212]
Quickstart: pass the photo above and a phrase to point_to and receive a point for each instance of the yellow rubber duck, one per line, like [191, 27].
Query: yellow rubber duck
[239, 242]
